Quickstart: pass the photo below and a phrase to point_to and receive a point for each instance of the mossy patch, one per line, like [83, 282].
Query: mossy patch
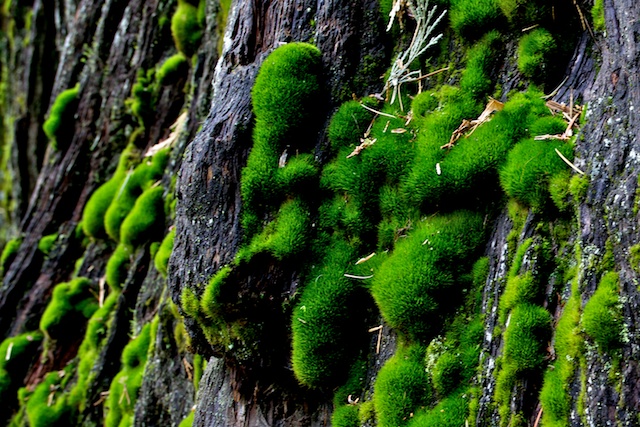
[48, 406]
[146, 219]
[450, 412]
[602, 316]
[161, 259]
[118, 267]
[172, 69]
[16, 354]
[325, 340]
[472, 18]
[186, 29]
[47, 242]
[401, 388]
[345, 416]
[89, 350]
[536, 50]
[62, 112]
[123, 392]
[597, 15]
[529, 168]
[9, 253]
[410, 286]
[72, 303]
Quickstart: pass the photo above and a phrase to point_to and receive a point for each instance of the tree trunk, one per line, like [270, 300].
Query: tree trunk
[108, 47]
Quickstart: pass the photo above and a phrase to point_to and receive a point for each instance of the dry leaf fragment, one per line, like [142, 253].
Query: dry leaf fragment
[177, 127]
[366, 142]
[471, 125]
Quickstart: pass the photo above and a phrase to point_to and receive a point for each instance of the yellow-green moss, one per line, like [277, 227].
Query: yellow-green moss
[16, 354]
[472, 18]
[401, 387]
[410, 287]
[186, 29]
[597, 15]
[117, 267]
[123, 392]
[62, 112]
[48, 406]
[89, 351]
[449, 412]
[161, 259]
[535, 51]
[602, 316]
[72, 303]
[9, 253]
[146, 219]
[47, 242]
[345, 416]
[172, 69]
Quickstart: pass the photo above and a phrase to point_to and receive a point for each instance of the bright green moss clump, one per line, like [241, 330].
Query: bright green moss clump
[325, 338]
[450, 412]
[185, 28]
[529, 168]
[93, 215]
[476, 77]
[472, 18]
[597, 14]
[47, 410]
[345, 416]
[89, 350]
[72, 303]
[146, 219]
[349, 124]
[118, 266]
[62, 111]
[172, 69]
[535, 51]
[9, 252]
[123, 392]
[401, 388]
[413, 287]
[285, 100]
[16, 354]
[161, 260]
[602, 316]
[46, 243]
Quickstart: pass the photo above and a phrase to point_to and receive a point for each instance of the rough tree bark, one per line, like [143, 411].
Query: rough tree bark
[102, 45]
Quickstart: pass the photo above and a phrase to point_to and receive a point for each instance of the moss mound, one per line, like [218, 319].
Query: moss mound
[62, 111]
[602, 315]
[72, 303]
[186, 29]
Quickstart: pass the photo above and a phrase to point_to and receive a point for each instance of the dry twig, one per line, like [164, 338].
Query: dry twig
[471, 125]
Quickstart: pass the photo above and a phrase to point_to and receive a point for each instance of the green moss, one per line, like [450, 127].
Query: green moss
[89, 351]
[578, 187]
[72, 303]
[142, 102]
[602, 316]
[525, 341]
[446, 374]
[472, 18]
[411, 285]
[597, 15]
[482, 58]
[525, 12]
[47, 406]
[118, 267]
[529, 168]
[186, 29]
[325, 339]
[349, 124]
[172, 69]
[536, 50]
[16, 355]
[47, 242]
[285, 101]
[520, 289]
[288, 234]
[210, 303]
[367, 412]
[450, 412]
[559, 190]
[93, 215]
[345, 416]
[161, 259]
[123, 392]
[146, 219]
[401, 387]
[61, 112]
[9, 253]
[568, 346]
[188, 421]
